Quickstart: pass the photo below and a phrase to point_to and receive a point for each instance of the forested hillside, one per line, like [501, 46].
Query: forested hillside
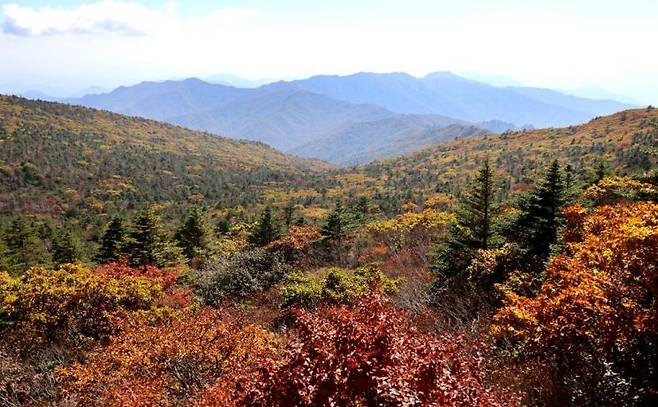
[624, 142]
[56, 158]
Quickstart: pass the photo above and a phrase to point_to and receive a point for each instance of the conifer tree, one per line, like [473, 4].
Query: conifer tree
[541, 215]
[195, 237]
[334, 230]
[288, 213]
[67, 247]
[471, 231]
[112, 241]
[334, 226]
[24, 248]
[265, 231]
[148, 244]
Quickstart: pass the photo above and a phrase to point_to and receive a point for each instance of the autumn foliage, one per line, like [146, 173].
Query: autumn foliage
[366, 355]
[598, 306]
[165, 364]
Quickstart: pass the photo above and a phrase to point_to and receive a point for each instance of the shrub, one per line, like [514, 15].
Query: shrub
[410, 226]
[239, 275]
[297, 243]
[163, 365]
[611, 190]
[74, 302]
[597, 313]
[335, 286]
[366, 356]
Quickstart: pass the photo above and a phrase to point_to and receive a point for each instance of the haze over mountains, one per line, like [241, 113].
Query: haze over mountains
[351, 119]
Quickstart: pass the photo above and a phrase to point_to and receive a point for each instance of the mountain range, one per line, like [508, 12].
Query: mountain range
[351, 119]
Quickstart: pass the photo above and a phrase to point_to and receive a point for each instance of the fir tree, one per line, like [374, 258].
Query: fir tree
[24, 248]
[334, 230]
[288, 213]
[265, 231]
[537, 227]
[147, 243]
[471, 231]
[334, 226]
[67, 247]
[195, 237]
[112, 242]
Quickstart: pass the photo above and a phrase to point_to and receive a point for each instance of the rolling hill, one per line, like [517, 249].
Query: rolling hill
[281, 115]
[626, 141]
[365, 142]
[59, 159]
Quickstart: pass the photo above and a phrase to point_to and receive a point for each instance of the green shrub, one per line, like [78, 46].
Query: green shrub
[239, 275]
[335, 286]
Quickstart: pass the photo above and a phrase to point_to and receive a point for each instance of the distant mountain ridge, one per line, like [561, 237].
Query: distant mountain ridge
[447, 94]
[350, 119]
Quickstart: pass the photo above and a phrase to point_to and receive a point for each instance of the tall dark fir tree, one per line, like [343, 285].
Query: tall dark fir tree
[148, 244]
[471, 231]
[538, 225]
[195, 237]
[112, 241]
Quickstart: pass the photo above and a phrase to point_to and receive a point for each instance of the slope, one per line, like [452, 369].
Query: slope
[400, 134]
[56, 158]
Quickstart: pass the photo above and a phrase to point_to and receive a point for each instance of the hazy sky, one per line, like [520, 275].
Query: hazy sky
[65, 46]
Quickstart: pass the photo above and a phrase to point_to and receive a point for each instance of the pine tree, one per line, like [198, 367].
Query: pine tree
[112, 241]
[148, 244]
[476, 209]
[67, 247]
[537, 227]
[265, 231]
[471, 231]
[24, 248]
[195, 237]
[288, 213]
[334, 226]
[334, 230]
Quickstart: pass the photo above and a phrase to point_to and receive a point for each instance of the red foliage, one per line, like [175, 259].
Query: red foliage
[367, 355]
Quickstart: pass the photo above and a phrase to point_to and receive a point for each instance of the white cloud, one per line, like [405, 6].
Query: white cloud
[108, 16]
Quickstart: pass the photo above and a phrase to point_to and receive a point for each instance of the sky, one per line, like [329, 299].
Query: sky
[598, 47]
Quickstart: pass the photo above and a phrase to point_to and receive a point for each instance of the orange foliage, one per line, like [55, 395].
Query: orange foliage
[167, 278]
[599, 299]
[163, 365]
[297, 242]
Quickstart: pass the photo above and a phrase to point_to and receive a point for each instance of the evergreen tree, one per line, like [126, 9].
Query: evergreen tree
[112, 241]
[67, 247]
[334, 226]
[475, 213]
[195, 237]
[223, 226]
[471, 231]
[601, 170]
[148, 244]
[24, 248]
[334, 230]
[265, 231]
[288, 213]
[538, 225]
